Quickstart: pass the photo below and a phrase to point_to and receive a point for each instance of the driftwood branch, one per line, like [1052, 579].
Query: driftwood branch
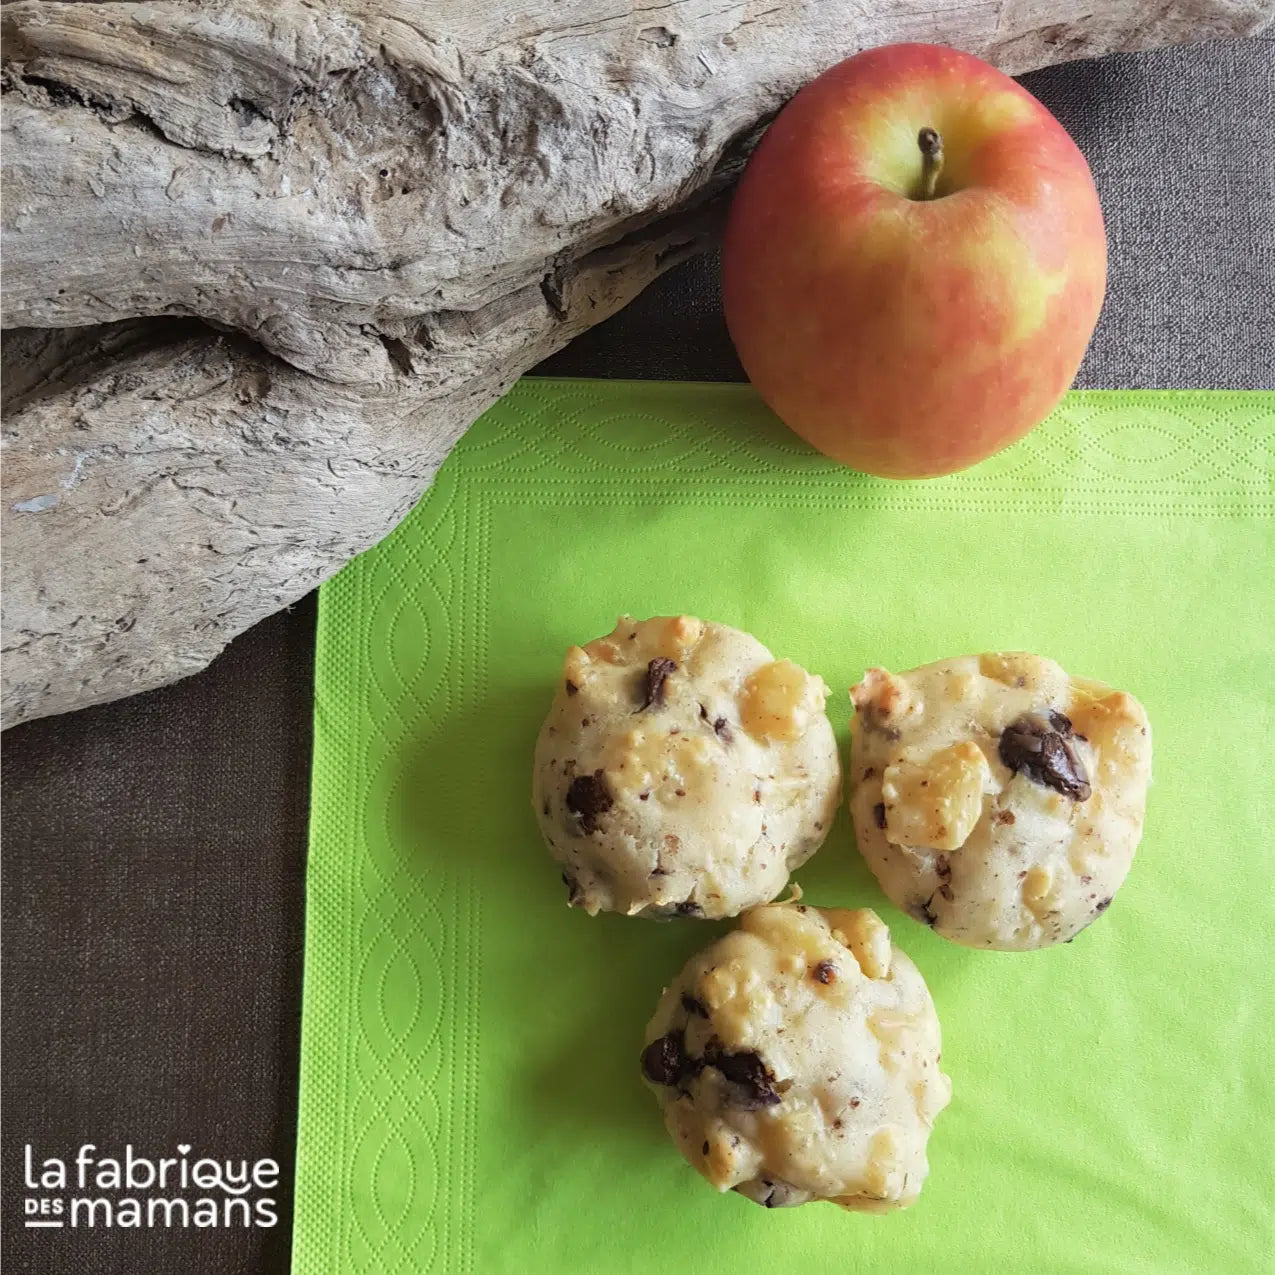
[269, 261]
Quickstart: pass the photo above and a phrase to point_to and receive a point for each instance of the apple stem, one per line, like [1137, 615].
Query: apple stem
[931, 143]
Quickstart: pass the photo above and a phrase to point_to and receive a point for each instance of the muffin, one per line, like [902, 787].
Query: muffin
[996, 798]
[797, 1059]
[683, 770]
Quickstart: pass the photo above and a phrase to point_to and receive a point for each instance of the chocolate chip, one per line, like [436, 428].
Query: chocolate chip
[689, 908]
[943, 867]
[824, 972]
[922, 912]
[704, 1149]
[572, 688]
[1103, 904]
[871, 770]
[1041, 744]
[878, 815]
[693, 1006]
[681, 792]
[721, 728]
[1004, 816]
[664, 1060]
[657, 673]
[854, 1103]
[703, 713]
[588, 799]
[645, 796]
[753, 1083]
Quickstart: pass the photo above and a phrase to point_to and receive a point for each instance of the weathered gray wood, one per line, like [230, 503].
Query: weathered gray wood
[390, 210]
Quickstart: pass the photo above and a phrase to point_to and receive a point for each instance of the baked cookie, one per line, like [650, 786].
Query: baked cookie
[995, 797]
[797, 1059]
[683, 770]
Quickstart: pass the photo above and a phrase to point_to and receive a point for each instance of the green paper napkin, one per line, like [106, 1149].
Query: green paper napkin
[469, 1089]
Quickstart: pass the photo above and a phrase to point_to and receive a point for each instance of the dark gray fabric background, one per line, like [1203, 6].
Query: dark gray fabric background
[154, 849]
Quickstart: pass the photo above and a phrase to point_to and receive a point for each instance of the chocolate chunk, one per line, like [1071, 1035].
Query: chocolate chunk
[664, 1060]
[721, 728]
[704, 1149]
[689, 908]
[878, 815]
[657, 673]
[588, 799]
[922, 912]
[694, 1006]
[824, 972]
[572, 688]
[703, 712]
[753, 1082]
[1042, 745]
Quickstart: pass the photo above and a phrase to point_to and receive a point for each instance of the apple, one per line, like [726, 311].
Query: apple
[914, 262]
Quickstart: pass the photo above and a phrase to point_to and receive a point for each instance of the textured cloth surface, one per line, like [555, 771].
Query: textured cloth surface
[470, 1098]
[153, 849]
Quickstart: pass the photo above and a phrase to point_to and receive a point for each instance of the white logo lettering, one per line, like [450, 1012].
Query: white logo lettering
[81, 1191]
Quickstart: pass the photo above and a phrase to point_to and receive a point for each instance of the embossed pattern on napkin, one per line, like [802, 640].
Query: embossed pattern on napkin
[469, 1090]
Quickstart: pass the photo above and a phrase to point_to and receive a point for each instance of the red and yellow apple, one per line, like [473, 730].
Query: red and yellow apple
[914, 262]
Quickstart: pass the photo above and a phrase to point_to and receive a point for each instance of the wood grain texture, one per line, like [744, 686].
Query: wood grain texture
[269, 261]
